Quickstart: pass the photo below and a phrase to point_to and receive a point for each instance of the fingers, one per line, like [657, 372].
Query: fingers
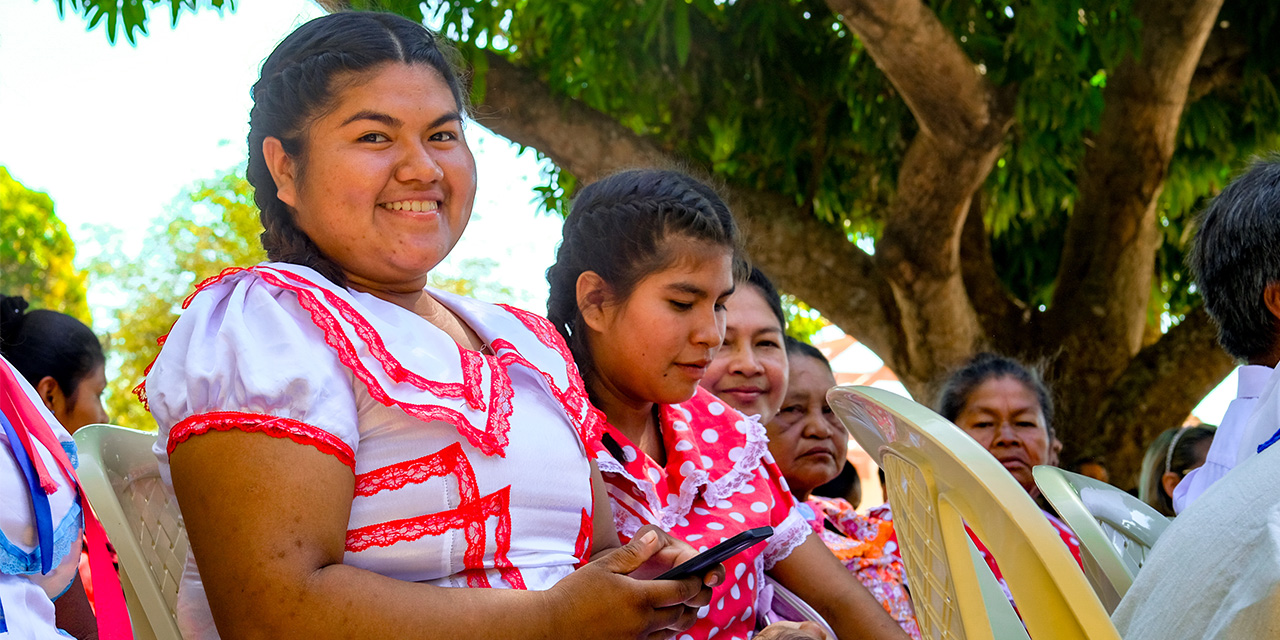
[630, 556]
[668, 593]
[715, 576]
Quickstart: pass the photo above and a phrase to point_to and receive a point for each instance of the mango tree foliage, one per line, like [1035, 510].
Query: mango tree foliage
[36, 253]
[131, 16]
[935, 177]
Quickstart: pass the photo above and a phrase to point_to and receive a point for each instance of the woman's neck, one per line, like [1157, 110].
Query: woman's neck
[637, 420]
[428, 308]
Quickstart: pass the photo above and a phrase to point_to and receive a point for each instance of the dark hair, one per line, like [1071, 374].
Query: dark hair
[618, 227]
[1236, 254]
[798, 348]
[1158, 460]
[298, 83]
[757, 279]
[1080, 462]
[839, 486]
[43, 343]
[989, 366]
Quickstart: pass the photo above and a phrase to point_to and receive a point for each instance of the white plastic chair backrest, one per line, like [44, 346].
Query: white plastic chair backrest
[121, 478]
[1116, 530]
[939, 479]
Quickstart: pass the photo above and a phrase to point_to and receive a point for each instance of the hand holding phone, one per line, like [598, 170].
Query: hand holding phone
[702, 562]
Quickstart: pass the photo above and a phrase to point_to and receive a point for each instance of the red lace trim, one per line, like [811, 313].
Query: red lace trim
[468, 389]
[491, 442]
[470, 516]
[274, 426]
[448, 461]
[586, 419]
[582, 548]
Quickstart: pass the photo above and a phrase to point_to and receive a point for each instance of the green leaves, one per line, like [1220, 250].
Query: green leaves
[130, 16]
[36, 252]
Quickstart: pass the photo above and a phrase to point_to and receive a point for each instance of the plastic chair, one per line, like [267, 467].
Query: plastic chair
[939, 479]
[121, 478]
[1116, 530]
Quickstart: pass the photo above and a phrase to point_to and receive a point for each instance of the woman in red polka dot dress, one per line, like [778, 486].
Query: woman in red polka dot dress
[638, 290]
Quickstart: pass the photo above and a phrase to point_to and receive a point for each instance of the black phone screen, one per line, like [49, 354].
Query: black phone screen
[702, 562]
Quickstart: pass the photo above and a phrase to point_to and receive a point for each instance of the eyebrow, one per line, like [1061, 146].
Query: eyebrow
[689, 288]
[391, 121]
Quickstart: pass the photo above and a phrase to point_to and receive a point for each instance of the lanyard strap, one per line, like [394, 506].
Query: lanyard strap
[39, 499]
[21, 421]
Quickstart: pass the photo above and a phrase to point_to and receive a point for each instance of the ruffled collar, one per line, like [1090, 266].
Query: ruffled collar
[406, 362]
[711, 450]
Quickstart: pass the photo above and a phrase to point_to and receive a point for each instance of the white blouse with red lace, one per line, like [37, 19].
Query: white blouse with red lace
[719, 480]
[470, 468]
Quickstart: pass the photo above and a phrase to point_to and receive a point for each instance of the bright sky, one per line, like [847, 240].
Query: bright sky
[115, 133]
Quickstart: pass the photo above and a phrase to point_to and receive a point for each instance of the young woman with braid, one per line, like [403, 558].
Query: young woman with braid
[648, 260]
[352, 450]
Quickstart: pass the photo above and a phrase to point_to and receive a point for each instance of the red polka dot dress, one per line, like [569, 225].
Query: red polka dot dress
[719, 480]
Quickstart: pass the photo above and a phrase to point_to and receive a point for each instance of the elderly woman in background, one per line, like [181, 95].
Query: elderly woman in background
[1006, 407]
[809, 446]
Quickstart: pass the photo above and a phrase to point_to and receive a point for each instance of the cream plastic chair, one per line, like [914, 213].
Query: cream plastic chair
[939, 479]
[121, 478]
[1116, 530]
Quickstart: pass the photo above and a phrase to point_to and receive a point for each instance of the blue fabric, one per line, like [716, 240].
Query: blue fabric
[69, 446]
[15, 561]
[1270, 441]
[39, 501]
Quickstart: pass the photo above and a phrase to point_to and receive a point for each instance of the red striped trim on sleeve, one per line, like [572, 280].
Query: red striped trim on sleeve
[274, 426]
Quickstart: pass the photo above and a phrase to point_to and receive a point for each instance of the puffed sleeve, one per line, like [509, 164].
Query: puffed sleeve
[246, 355]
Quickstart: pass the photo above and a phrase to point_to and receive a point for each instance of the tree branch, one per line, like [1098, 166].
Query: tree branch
[962, 121]
[784, 239]
[999, 312]
[947, 95]
[1159, 388]
[1108, 282]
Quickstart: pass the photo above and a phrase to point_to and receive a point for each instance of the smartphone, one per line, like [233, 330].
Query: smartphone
[703, 562]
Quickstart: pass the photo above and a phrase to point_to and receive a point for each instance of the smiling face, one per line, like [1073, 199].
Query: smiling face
[750, 370]
[655, 345]
[806, 440]
[1004, 416]
[386, 182]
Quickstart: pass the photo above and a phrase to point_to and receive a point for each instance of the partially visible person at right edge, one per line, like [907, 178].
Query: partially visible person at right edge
[1215, 572]
[1236, 261]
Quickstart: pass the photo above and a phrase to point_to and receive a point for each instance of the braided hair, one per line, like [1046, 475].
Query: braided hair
[300, 81]
[43, 343]
[619, 227]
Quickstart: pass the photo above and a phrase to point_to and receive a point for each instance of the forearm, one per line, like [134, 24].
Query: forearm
[340, 601]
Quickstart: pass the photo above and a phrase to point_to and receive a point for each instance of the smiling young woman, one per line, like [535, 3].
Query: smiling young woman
[358, 455]
[750, 368]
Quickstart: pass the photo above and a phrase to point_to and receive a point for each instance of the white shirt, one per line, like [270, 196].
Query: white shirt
[435, 434]
[1215, 572]
[1224, 452]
